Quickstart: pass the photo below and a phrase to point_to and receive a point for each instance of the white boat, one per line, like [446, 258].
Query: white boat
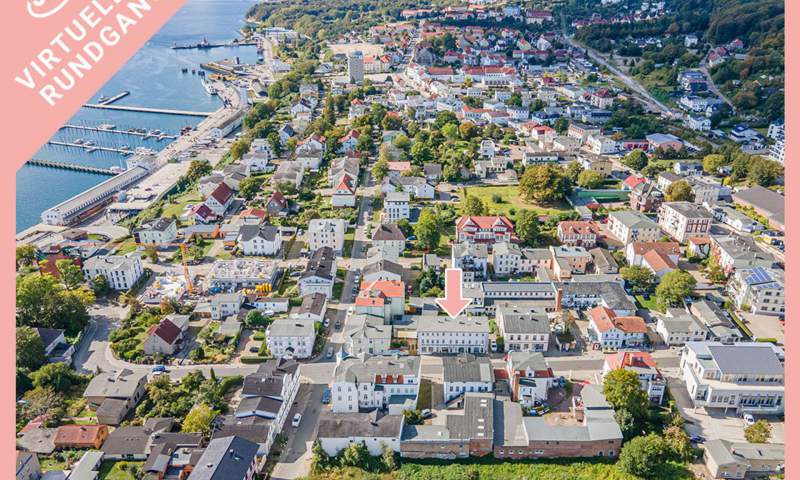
[107, 126]
[208, 87]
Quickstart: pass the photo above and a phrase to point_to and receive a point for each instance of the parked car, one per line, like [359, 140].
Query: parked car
[338, 325]
[427, 413]
[254, 349]
[329, 354]
[494, 345]
[326, 323]
[296, 420]
[326, 396]
[158, 369]
[749, 419]
[697, 439]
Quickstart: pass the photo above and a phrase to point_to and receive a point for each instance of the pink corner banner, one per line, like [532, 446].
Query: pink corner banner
[56, 55]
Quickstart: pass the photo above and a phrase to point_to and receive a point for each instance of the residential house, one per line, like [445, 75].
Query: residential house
[635, 251]
[291, 338]
[643, 365]
[440, 334]
[312, 308]
[160, 231]
[645, 197]
[577, 233]
[529, 376]
[604, 263]
[320, 273]
[465, 373]
[220, 199]
[371, 382]
[569, 260]
[523, 329]
[164, 337]
[631, 226]
[718, 324]
[344, 194]
[56, 348]
[326, 232]
[27, 467]
[260, 240]
[227, 458]
[679, 326]
[121, 271]
[684, 220]
[367, 334]
[739, 460]
[733, 252]
[486, 229]
[72, 437]
[389, 241]
[609, 330]
[381, 298]
[472, 259]
[223, 305]
[758, 290]
[375, 430]
[395, 207]
[113, 394]
[381, 269]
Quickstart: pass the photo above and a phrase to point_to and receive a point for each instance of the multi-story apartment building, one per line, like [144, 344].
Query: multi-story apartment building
[472, 259]
[684, 220]
[381, 298]
[612, 331]
[523, 329]
[578, 233]
[440, 334]
[121, 271]
[389, 241]
[158, 231]
[509, 259]
[529, 376]
[326, 232]
[466, 373]
[371, 382]
[742, 377]
[631, 226]
[320, 273]
[395, 207]
[489, 230]
[225, 304]
[644, 366]
[758, 290]
[292, 338]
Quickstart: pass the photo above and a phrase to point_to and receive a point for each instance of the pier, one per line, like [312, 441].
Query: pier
[115, 98]
[205, 45]
[144, 135]
[92, 148]
[71, 166]
[163, 111]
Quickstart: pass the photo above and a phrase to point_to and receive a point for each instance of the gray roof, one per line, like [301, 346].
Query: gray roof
[763, 199]
[612, 294]
[227, 458]
[397, 197]
[114, 384]
[250, 405]
[533, 361]
[475, 421]
[493, 288]
[633, 219]
[435, 323]
[746, 359]
[388, 231]
[506, 248]
[381, 266]
[689, 210]
[467, 368]
[373, 424]
[352, 369]
[314, 304]
[265, 230]
[285, 327]
[683, 323]
[725, 452]
[320, 264]
[268, 379]
[603, 259]
[127, 441]
[470, 250]
[255, 432]
[517, 320]
[159, 224]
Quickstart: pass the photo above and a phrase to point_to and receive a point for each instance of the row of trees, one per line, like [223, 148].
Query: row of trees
[670, 290]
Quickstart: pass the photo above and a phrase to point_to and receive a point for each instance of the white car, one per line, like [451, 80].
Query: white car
[748, 419]
[494, 345]
[296, 420]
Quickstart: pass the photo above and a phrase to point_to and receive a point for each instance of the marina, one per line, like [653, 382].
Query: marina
[138, 132]
[92, 147]
[163, 111]
[102, 100]
[73, 166]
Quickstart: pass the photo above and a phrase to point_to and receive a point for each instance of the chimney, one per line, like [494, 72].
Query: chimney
[559, 295]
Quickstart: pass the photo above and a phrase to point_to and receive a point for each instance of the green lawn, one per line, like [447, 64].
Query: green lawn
[648, 304]
[177, 205]
[349, 238]
[119, 470]
[510, 199]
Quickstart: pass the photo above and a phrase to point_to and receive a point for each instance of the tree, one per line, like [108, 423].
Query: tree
[249, 187]
[714, 271]
[198, 168]
[428, 230]
[388, 458]
[450, 131]
[71, 274]
[255, 318]
[474, 206]
[380, 169]
[199, 419]
[320, 460]
[642, 455]
[763, 172]
[527, 227]
[467, 130]
[636, 159]
[402, 142]
[151, 253]
[561, 125]
[627, 423]
[355, 455]
[759, 432]
[623, 390]
[30, 349]
[239, 148]
[712, 163]
[573, 170]
[42, 401]
[166, 306]
[674, 287]
[43, 302]
[679, 191]
[543, 183]
[590, 179]
[58, 376]
[641, 279]
[365, 143]
[26, 255]
[421, 153]
[678, 443]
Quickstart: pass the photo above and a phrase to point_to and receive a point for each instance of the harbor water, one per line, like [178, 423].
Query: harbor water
[154, 78]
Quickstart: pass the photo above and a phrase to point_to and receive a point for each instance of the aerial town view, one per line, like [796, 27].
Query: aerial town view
[417, 239]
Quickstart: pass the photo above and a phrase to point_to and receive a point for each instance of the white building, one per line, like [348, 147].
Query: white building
[472, 259]
[320, 273]
[395, 207]
[523, 329]
[609, 330]
[632, 226]
[758, 290]
[257, 161]
[389, 241]
[529, 376]
[684, 220]
[745, 377]
[643, 365]
[678, 327]
[355, 66]
[371, 382]
[441, 334]
[262, 240]
[466, 373]
[225, 304]
[326, 232]
[121, 272]
[367, 334]
[293, 338]
[157, 232]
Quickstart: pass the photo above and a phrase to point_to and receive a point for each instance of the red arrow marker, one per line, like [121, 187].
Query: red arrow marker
[453, 302]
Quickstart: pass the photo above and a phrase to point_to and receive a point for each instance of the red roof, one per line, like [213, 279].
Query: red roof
[399, 166]
[202, 211]
[385, 288]
[666, 248]
[278, 198]
[222, 193]
[577, 227]
[166, 330]
[346, 183]
[658, 261]
[484, 223]
[633, 180]
[78, 434]
[253, 212]
[630, 359]
[605, 319]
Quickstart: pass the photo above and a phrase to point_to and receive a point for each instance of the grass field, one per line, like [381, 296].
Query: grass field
[178, 204]
[648, 304]
[509, 199]
[117, 470]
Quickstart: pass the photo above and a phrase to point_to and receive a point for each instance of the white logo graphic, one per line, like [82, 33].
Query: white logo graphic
[40, 8]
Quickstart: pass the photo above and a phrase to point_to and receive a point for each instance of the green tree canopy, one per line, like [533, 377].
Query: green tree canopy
[590, 179]
[643, 455]
[543, 183]
[30, 349]
[636, 159]
[641, 279]
[674, 287]
[679, 191]
[474, 206]
[527, 227]
[58, 376]
[428, 229]
[759, 432]
[623, 390]
[199, 419]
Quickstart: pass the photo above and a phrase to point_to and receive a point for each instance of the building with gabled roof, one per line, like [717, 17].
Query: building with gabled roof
[529, 376]
[644, 366]
[484, 229]
[612, 331]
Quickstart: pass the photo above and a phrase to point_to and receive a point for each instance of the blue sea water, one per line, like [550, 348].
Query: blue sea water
[153, 76]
